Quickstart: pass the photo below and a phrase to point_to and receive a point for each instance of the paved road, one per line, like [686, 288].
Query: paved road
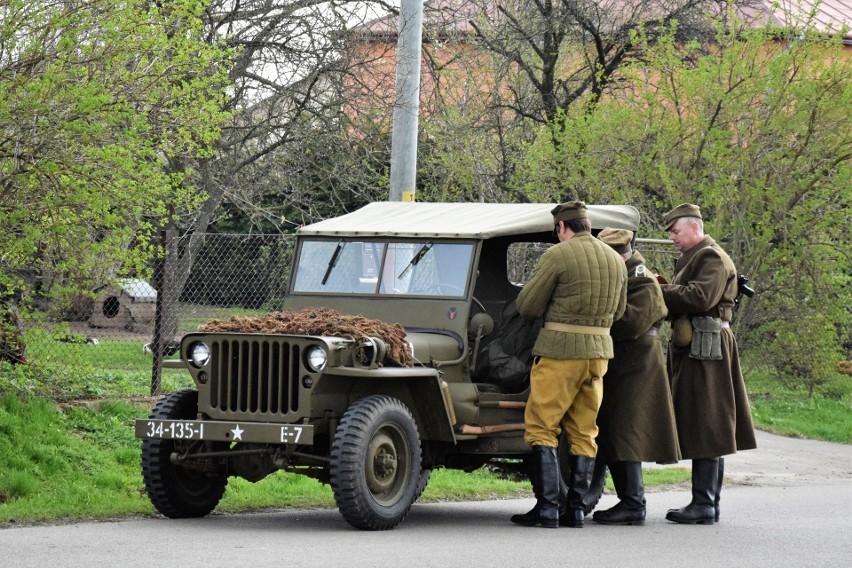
[787, 504]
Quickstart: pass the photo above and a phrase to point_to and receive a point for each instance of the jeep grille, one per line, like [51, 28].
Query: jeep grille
[254, 376]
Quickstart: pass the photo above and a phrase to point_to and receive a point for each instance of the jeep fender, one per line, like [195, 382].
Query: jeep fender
[419, 388]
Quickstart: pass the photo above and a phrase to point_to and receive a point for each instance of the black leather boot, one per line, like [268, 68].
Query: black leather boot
[545, 482]
[582, 468]
[700, 511]
[630, 510]
[719, 487]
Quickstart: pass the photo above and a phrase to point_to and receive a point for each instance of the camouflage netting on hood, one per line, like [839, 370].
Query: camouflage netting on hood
[320, 321]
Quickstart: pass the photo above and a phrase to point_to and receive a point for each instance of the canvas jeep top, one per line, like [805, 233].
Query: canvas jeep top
[343, 408]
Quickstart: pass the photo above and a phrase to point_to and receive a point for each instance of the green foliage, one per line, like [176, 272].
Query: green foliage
[256, 271]
[754, 130]
[92, 95]
[811, 363]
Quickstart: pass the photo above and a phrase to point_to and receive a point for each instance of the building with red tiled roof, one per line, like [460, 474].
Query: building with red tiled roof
[825, 16]
[451, 53]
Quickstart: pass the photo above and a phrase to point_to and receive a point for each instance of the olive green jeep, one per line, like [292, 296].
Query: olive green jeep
[336, 408]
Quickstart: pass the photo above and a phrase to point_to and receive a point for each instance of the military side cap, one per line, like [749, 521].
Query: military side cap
[683, 210]
[618, 239]
[569, 211]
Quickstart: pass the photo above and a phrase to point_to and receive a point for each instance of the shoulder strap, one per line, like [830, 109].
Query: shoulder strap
[639, 271]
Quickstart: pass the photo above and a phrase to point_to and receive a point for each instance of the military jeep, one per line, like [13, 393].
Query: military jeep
[333, 407]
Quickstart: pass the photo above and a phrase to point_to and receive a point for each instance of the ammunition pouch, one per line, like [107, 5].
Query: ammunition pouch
[706, 338]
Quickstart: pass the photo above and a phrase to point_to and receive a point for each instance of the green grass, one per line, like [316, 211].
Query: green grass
[791, 412]
[817, 418]
[113, 368]
[190, 316]
[81, 461]
[60, 460]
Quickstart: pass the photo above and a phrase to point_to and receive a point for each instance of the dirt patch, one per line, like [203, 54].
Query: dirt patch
[116, 333]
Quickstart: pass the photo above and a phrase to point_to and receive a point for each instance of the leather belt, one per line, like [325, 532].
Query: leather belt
[571, 328]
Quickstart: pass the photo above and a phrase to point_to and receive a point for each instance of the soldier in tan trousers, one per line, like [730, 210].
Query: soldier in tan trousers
[579, 287]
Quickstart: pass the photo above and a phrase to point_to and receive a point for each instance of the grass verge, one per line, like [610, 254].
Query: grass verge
[818, 418]
[63, 461]
[81, 461]
[780, 409]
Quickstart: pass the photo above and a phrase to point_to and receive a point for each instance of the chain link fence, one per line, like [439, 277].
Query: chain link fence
[113, 341]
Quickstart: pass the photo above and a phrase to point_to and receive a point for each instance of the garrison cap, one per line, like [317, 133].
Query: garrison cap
[618, 239]
[569, 211]
[683, 210]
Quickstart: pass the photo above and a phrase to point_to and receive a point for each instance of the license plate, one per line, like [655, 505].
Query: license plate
[224, 431]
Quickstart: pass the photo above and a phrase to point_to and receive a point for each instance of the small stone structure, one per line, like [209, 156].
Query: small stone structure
[130, 304]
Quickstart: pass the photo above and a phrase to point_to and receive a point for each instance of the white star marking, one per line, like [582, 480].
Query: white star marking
[238, 432]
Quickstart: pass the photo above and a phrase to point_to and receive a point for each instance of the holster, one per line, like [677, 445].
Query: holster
[706, 338]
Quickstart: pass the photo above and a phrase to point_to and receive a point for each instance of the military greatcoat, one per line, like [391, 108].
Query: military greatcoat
[710, 399]
[637, 419]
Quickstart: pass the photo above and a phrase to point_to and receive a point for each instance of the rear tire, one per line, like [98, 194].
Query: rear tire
[178, 492]
[376, 471]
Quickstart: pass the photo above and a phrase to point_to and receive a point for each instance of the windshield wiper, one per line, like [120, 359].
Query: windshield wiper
[417, 258]
[333, 261]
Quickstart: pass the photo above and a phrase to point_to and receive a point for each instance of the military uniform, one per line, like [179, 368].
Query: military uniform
[579, 287]
[710, 399]
[636, 418]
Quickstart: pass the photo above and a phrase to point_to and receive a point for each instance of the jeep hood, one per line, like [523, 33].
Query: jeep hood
[434, 346]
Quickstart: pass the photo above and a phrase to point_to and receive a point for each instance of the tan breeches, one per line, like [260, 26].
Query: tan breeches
[565, 393]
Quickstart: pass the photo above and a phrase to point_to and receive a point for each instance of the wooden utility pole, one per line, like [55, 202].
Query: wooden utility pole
[403, 170]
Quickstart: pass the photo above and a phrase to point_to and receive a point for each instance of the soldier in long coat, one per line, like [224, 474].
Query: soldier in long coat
[636, 419]
[710, 398]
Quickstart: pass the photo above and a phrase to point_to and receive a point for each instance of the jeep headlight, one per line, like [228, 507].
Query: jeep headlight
[316, 358]
[199, 354]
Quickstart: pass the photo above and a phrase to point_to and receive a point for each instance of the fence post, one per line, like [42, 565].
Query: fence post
[160, 267]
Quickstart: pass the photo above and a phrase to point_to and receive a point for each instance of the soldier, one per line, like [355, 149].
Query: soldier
[710, 400]
[580, 287]
[636, 418]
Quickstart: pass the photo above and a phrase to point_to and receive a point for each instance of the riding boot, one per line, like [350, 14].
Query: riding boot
[630, 510]
[545, 482]
[700, 511]
[528, 518]
[582, 468]
[719, 487]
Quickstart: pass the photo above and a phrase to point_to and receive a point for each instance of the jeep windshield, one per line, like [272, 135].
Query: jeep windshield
[382, 267]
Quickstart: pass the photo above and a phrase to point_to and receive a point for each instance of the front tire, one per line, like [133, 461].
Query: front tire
[178, 492]
[376, 463]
